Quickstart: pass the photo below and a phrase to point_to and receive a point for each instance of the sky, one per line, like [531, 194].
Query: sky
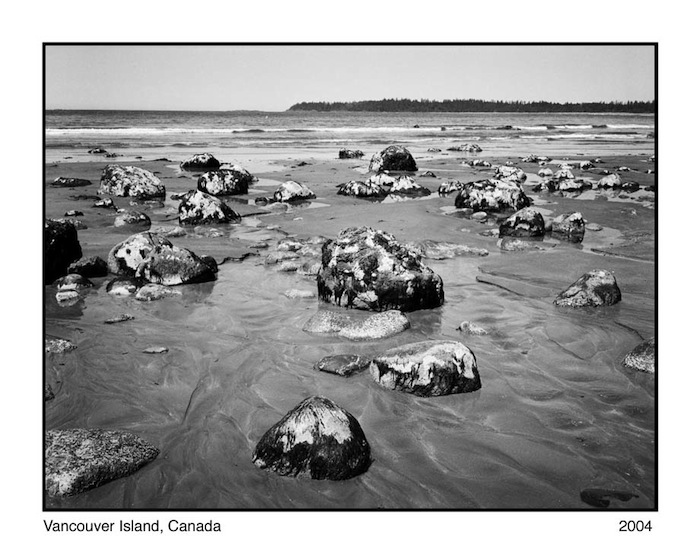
[274, 77]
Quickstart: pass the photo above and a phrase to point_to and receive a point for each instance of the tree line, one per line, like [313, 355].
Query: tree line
[473, 105]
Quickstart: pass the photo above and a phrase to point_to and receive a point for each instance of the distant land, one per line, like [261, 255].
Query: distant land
[472, 105]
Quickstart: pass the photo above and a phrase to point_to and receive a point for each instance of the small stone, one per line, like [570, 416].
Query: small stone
[155, 350]
[326, 322]
[342, 364]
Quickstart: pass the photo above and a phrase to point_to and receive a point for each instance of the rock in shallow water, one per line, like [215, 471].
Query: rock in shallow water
[527, 222]
[173, 265]
[92, 266]
[642, 357]
[342, 364]
[376, 326]
[318, 438]
[428, 368]
[569, 226]
[126, 257]
[58, 346]
[595, 288]
[77, 460]
[291, 191]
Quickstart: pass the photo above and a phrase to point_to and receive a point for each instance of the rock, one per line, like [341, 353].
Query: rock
[132, 218]
[291, 191]
[406, 185]
[479, 216]
[428, 368]
[510, 244]
[58, 346]
[545, 172]
[432, 150]
[197, 208]
[466, 148]
[225, 182]
[595, 288]
[72, 281]
[73, 213]
[119, 318]
[429, 174]
[317, 438]
[445, 250]
[594, 227]
[571, 185]
[61, 248]
[382, 179]
[642, 357]
[527, 222]
[106, 203]
[600, 498]
[362, 190]
[48, 393]
[200, 162]
[563, 174]
[376, 326]
[169, 230]
[477, 163]
[345, 154]
[510, 173]
[342, 364]
[536, 159]
[393, 158]
[67, 297]
[585, 165]
[97, 151]
[70, 182]
[326, 322]
[173, 265]
[124, 286]
[154, 291]
[569, 226]
[471, 328]
[452, 185]
[369, 269]
[92, 266]
[126, 257]
[492, 195]
[76, 460]
[155, 350]
[296, 293]
[127, 180]
[610, 181]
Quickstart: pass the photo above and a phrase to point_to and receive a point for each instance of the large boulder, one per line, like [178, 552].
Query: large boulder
[173, 265]
[198, 208]
[61, 248]
[291, 191]
[225, 181]
[126, 257]
[370, 270]
[595, 288]
[127, 180]
[527, 222]
[76, 460]
[318, 438]
[362, 189]
[200, 162]
[92, 266]
[569, 226]
[393, 158]
[642, 357]
[428, 368]
[492, 195]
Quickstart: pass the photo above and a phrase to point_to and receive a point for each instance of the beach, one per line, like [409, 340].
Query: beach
[557, 413]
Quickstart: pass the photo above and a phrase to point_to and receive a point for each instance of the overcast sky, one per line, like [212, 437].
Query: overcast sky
[272, 78]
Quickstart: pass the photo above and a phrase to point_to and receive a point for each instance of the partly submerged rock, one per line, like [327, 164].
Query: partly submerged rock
[362, 189]
[61, 248]
[58, 346]
[77, 460]
[132, 218]
[174, 265]
[569, 226]
[91, 266]
[471, 328]
[126, 257]
[127, 180]
[70, 182]
[527, 222]
[225, 181]
[492, 195]
[595, 288]
[119, 319]
[124, 286]
[318, 438]
[376, 326]
[72, 281]
[291, 191]
[642, 357]
[342, 364]
[200, 162]
[369, 269]
[393, 158]
[154, 291]
[428, 368]
[200, 208]
[326, 322]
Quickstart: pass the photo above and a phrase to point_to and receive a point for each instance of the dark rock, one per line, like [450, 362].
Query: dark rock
[97, 151]
[132, 218]
[527, 222]
[211, 262]
[61, 248]
[77, 460]
[630, 186]
[362, 190]
[600, 498]
[70, 182]
[342, 364]
[642, 357]
[428, 368]
[173, 265]
[72, 281]
[92, 266]
[371, 270]
[569, 226]
[317, 438]
[345, 154]
[595, 288]
[492, 195]
[127, 180]
[225, 181]
[291, 191]
[200, 162]
[126, 257]
[393, 158]
[197, 208]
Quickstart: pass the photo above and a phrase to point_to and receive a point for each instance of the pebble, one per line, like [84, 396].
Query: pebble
[120, 318]
[296, 293]
[155, 350]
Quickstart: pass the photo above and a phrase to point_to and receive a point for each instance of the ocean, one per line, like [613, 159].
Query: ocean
[557, 413]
